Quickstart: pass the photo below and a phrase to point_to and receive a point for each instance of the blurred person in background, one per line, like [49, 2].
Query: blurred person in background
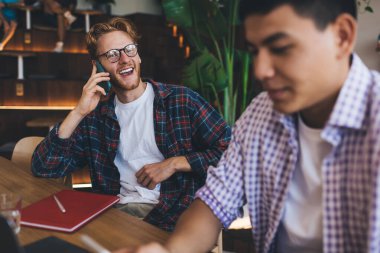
[58, 13]
[8, 21]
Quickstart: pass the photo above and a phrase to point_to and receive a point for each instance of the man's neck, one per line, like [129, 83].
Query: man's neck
[318, 115]
[127, 96]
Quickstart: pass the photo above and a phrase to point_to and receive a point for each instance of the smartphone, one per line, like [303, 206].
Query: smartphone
[106, 85]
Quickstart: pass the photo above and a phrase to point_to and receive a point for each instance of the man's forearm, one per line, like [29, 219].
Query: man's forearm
[69, 124]
[197, 230]
[180, 163]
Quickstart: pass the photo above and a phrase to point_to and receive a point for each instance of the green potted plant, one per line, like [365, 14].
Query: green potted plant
[364, 5]
[216, 68]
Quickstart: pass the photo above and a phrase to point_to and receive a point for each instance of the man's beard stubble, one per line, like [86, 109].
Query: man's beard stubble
[116, 84]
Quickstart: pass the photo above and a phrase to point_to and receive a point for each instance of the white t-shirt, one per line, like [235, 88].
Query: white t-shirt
[137, 147]
[301, 227]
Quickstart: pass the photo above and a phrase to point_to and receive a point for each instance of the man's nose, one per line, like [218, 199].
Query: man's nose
[263, 66]
[124, 57]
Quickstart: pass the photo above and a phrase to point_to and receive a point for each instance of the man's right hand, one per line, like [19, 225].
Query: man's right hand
[87, 103]
[149, 248]
[91, 93]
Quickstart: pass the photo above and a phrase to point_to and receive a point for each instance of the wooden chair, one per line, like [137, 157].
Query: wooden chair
[23, 151]
[219, 244]
[243, 222]
[240, 223]
[22, 157]
[81, 179]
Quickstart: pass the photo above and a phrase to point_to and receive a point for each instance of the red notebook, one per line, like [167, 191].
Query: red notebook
[80, 208]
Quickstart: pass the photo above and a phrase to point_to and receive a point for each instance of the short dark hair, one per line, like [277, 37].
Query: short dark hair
[322, 12]
[99, 29]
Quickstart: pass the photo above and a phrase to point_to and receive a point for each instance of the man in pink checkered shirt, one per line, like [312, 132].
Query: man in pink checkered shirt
[305, 155]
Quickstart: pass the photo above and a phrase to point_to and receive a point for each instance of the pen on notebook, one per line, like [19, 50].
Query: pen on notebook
[93, 245]
[59, 204]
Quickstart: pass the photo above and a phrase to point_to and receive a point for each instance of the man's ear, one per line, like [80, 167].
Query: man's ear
[345, 30]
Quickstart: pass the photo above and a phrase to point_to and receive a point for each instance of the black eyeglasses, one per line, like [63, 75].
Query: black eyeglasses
[113, 55]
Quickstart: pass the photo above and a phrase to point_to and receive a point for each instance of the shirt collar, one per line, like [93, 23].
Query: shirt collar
[351, 105]
[107, 107]
[160, 90]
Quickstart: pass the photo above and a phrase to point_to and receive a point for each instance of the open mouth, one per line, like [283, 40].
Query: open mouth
[126, 72]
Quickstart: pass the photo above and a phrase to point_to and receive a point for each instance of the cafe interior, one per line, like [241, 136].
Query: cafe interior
[39, 87]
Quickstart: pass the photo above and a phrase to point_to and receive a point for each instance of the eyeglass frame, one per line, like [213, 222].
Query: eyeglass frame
[120, 52]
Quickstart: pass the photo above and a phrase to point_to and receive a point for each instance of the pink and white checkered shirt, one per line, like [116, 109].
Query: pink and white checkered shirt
[258, 166]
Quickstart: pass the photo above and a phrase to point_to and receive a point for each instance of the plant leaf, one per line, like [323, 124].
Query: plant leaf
[218, 24]
[206, 68]
[178, 12]
[369, 9]
[227, 5]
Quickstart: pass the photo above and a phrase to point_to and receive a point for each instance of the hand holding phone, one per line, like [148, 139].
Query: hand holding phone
[106, 85]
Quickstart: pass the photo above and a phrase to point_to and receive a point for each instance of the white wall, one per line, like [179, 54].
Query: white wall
[125, 7]
[83, 5]
[369, 29]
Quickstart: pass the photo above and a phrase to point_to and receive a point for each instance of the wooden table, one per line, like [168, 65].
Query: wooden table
[113, 228]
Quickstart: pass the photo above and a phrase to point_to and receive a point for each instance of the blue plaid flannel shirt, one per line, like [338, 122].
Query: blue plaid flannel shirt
[185, 125]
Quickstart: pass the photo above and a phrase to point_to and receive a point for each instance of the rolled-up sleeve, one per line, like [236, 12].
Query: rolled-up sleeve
[55, 157]
[224, 191]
